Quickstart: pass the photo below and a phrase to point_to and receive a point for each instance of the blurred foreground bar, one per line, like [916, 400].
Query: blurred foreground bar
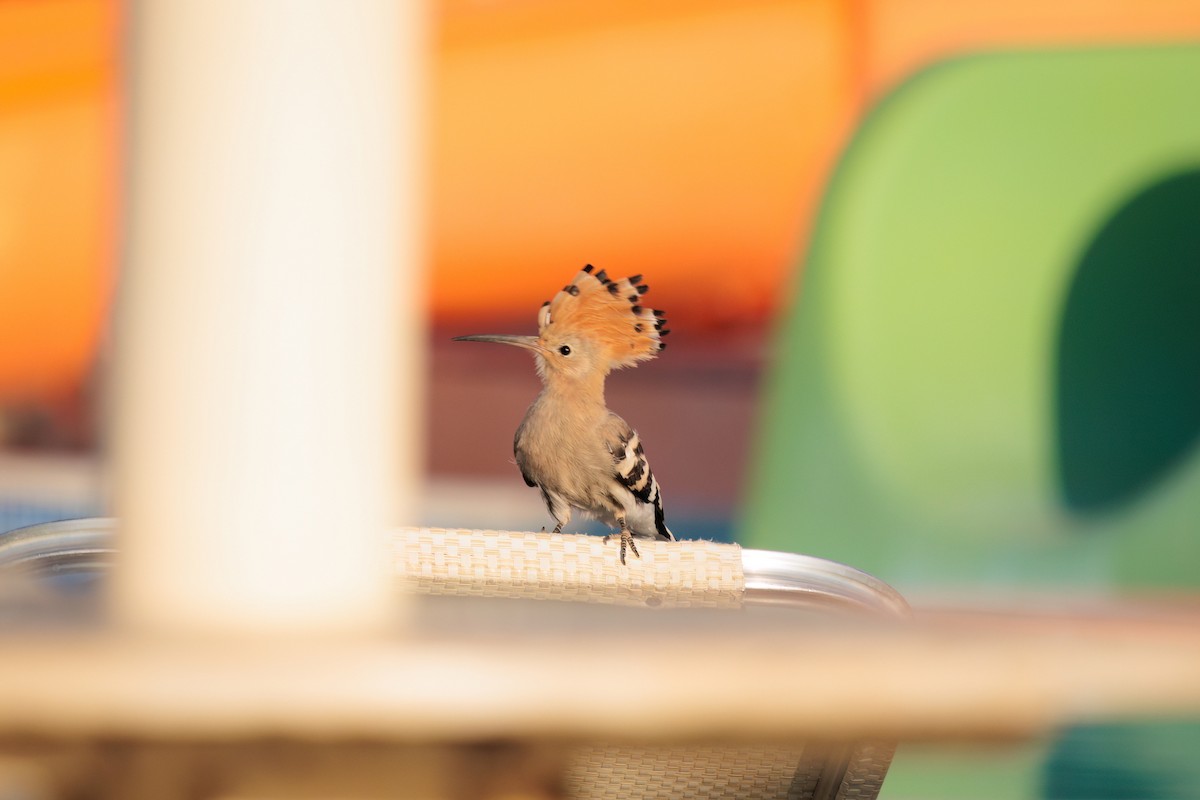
[502, 698]
[621, 675]
[479, 669]
[265, 434]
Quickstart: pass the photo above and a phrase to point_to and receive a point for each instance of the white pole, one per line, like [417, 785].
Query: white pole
[264, 421]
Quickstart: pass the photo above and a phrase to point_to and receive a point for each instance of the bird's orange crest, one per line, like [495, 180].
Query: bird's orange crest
[610, 313]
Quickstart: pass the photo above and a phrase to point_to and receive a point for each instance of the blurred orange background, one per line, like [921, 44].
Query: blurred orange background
[685, 140]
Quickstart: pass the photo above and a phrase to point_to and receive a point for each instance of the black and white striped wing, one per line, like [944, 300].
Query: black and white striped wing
[632, 471]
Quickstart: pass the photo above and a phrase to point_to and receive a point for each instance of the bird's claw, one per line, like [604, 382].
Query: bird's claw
[626, 541]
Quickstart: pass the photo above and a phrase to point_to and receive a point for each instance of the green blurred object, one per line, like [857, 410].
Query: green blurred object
[991, 376]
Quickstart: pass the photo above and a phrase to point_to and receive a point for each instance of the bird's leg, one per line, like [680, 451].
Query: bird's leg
[626, 538]
[558, 508]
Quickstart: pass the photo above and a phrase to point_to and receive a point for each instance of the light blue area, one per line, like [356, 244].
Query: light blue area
[715, 528]
[16, 513]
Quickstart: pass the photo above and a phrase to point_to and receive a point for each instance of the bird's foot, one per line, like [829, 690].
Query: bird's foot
[626, 541]
[557, 528]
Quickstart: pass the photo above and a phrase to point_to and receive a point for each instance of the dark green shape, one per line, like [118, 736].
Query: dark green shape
[1128, 400]
[1125, 761]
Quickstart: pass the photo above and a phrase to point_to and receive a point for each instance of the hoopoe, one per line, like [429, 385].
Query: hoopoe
[569, 445]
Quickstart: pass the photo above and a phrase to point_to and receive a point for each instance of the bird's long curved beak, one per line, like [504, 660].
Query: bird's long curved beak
[527, 342]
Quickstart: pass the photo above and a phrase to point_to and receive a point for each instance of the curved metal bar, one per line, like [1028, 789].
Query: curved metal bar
[771, 578]
[789, 579]
[51, 545]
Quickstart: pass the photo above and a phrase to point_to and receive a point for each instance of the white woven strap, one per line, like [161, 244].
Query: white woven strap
[553, 566]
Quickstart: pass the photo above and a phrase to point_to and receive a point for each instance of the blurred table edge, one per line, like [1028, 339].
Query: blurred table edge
[931, 681]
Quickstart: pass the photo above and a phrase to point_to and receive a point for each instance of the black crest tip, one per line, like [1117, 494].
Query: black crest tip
[634, 278]
[643, 288]
[588, 268]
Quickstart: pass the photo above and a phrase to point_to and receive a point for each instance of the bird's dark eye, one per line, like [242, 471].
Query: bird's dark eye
[566, 351]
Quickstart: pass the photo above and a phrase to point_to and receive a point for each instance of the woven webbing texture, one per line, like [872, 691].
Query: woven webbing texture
[550, 566]
[869, 762]
[746, 772]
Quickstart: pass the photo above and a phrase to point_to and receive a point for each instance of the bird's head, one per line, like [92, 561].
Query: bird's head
[591, 327]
